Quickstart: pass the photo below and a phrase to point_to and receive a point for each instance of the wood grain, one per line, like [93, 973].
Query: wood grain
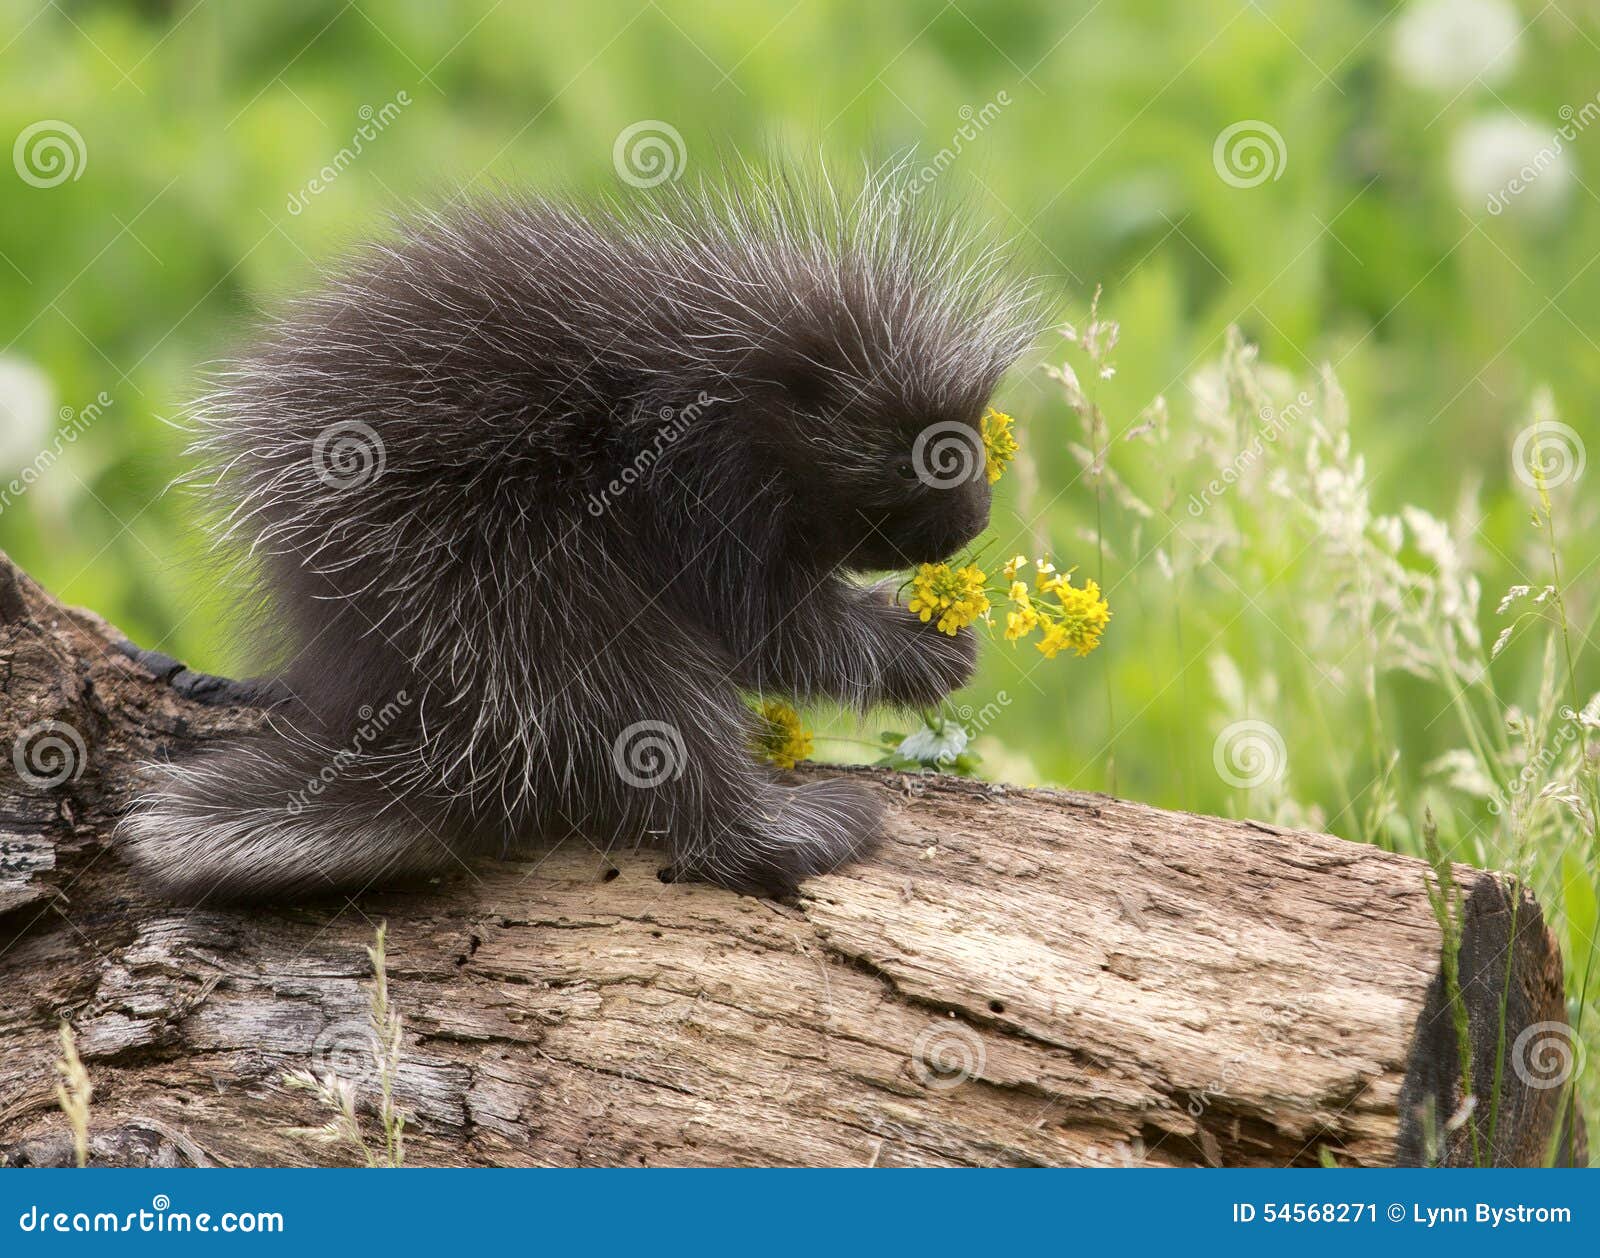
[1017, 978]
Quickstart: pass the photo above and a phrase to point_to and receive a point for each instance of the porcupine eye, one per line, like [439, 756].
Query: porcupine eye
[904, 469]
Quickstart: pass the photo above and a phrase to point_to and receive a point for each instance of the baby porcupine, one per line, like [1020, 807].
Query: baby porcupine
[536, 491]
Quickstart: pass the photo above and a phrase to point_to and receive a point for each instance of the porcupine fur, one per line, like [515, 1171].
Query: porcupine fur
[535, 491]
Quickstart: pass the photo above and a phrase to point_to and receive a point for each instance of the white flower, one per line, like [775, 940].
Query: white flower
[934, 747]
[27, 413]
[1444, 45]
[1501, 163]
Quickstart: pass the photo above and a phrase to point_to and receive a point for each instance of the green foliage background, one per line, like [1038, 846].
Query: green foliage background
[202, 120]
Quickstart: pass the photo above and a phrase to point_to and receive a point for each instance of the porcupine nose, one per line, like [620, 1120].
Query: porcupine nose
[976, 499]
[961, 516]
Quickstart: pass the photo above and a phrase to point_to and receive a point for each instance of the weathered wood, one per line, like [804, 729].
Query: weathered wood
[1018, 977]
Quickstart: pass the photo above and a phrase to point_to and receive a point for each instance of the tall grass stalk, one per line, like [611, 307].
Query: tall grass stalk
[73, 1094]
[1410, 729]
[339, 1095]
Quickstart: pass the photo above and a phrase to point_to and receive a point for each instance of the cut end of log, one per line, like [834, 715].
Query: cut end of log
[1518, 1109]
[1019, 978]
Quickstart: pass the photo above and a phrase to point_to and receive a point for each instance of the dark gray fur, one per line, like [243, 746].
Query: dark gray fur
[631, 456]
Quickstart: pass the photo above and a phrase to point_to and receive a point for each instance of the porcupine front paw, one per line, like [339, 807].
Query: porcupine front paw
[794, 833]
[927, 665]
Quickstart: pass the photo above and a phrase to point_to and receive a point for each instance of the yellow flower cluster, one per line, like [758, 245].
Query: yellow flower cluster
[999, 445]
[780, 737]
[1065, 616]
[955, 595]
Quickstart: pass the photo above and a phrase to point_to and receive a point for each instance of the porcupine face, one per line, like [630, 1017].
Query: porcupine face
[880, 448]
[853, 343]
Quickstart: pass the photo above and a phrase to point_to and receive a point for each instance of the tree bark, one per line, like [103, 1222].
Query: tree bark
[1018, 977]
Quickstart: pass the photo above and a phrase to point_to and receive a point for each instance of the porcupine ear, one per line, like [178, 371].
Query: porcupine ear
[801, 366]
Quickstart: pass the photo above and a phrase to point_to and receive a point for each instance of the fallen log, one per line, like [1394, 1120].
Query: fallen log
[1019, 977]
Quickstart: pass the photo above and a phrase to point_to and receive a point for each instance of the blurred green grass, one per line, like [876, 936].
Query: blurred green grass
[200, 122]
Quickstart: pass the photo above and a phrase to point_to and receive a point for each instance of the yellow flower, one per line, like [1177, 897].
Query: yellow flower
[1019, 624]
[780, 738]
[1080, 619]
[1067, 618]
[1052, 639]
[955, 596]
[999, 445]
[1021, 621]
